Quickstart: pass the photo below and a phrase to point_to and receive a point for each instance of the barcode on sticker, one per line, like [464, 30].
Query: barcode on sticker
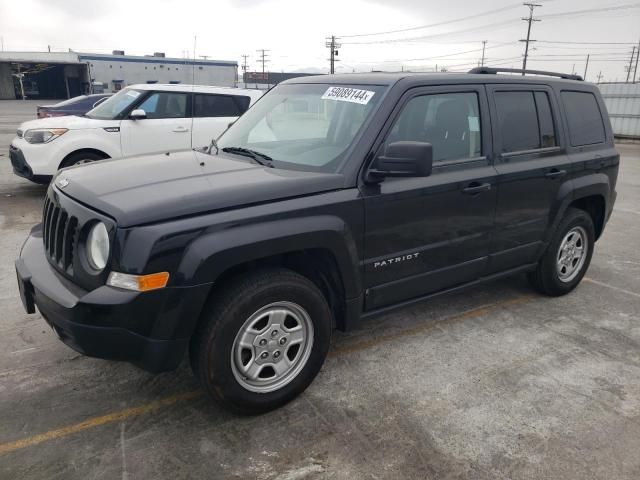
[346, 94]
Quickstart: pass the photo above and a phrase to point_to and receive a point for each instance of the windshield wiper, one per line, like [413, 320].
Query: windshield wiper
[258, 157]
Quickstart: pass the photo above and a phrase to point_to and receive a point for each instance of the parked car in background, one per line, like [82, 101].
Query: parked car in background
[140, 119]
[74, 106]
[334, 199]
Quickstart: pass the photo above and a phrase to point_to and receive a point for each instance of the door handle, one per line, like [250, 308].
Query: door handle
[180, 129]
[555, 173]
[475, 187]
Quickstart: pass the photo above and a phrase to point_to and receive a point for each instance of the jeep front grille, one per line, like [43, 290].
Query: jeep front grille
[59, 235]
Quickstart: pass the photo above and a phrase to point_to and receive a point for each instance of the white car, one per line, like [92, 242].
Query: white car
[139, 119]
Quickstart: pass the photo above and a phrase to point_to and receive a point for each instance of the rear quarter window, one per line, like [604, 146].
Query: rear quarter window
[586, 126]
[209, 105]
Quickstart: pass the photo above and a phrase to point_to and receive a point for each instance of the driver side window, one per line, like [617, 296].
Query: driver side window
[450, 122]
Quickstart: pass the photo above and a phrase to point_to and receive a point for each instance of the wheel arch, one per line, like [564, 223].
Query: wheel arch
[321, 248]
[594, 205]
[83, 150]
[589, 193]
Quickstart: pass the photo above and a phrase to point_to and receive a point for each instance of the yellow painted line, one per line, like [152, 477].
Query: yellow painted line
[97, 421]
[181, 397]
[612, 287]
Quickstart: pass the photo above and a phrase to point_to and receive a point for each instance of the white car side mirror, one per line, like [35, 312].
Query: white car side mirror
[138, 114]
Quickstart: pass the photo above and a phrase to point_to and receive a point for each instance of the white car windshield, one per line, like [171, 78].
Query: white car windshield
[303, 126]
[114, 106]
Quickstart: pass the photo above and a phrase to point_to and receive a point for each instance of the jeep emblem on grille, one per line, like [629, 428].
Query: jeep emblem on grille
[62, 182]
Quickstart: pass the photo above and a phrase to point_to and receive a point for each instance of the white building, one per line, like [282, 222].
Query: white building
[65, 75]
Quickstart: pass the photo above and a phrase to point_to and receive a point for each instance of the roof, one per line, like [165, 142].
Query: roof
[39, 57]
[99, 57]
[384, 78]
[184, 87]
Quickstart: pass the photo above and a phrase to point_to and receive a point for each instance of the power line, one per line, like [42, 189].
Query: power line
[592, 10]
[529, 21]
[483, 28]
[475, 50]
[448, 22]
[587, 43]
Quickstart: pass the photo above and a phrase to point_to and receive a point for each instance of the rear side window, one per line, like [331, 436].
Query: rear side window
[220, 105]
[518, 121]
[586, 126]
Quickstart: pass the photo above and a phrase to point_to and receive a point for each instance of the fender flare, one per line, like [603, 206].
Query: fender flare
[210, 255]
[596, 184]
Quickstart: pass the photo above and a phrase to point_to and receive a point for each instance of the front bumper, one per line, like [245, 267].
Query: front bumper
[141, 328]
[22, 168]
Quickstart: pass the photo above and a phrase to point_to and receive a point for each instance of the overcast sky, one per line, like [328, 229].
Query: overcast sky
[294, 31]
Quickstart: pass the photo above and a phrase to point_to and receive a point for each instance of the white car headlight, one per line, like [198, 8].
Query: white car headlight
[98, 246]
[43, 135]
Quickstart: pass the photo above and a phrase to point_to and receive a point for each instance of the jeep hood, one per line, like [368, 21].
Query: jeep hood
[152, 188]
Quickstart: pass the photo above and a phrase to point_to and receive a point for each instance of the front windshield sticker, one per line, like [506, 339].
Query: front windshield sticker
[133, 93]
[345, 94]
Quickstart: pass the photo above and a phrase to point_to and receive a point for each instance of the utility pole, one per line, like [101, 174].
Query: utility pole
[263, 60]
[529, 21]
[244, 69]
[333, 46]
[584, 77]
[484, 44]
[635, 70]
[599, 76]
[205, 57]
[633, 54]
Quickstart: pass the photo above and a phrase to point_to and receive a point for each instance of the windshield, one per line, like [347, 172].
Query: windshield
[304, 126]
[114, 106]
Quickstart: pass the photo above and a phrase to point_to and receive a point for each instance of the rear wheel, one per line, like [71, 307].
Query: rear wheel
[262, 340]
[568, 255]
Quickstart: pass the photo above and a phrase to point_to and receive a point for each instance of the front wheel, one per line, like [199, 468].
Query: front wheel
[262, 341]
[568, 255]
[80, 158]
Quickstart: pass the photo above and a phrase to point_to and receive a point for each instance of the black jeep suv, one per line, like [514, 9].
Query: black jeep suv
[332, 199]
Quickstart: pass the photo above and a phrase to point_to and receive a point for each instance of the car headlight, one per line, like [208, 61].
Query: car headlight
[43, 135]
[98, 246]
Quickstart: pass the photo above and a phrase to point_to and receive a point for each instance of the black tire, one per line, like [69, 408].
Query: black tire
[546, 278]
[212, 345]
[79, 158]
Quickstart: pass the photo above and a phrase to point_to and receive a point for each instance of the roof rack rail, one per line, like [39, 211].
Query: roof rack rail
[491, 70]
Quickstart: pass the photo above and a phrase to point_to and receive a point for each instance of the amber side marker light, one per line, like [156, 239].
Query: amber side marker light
[138, 283]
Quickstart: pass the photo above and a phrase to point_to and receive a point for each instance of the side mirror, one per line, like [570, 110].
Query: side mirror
[403, 159]
[138, 114]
